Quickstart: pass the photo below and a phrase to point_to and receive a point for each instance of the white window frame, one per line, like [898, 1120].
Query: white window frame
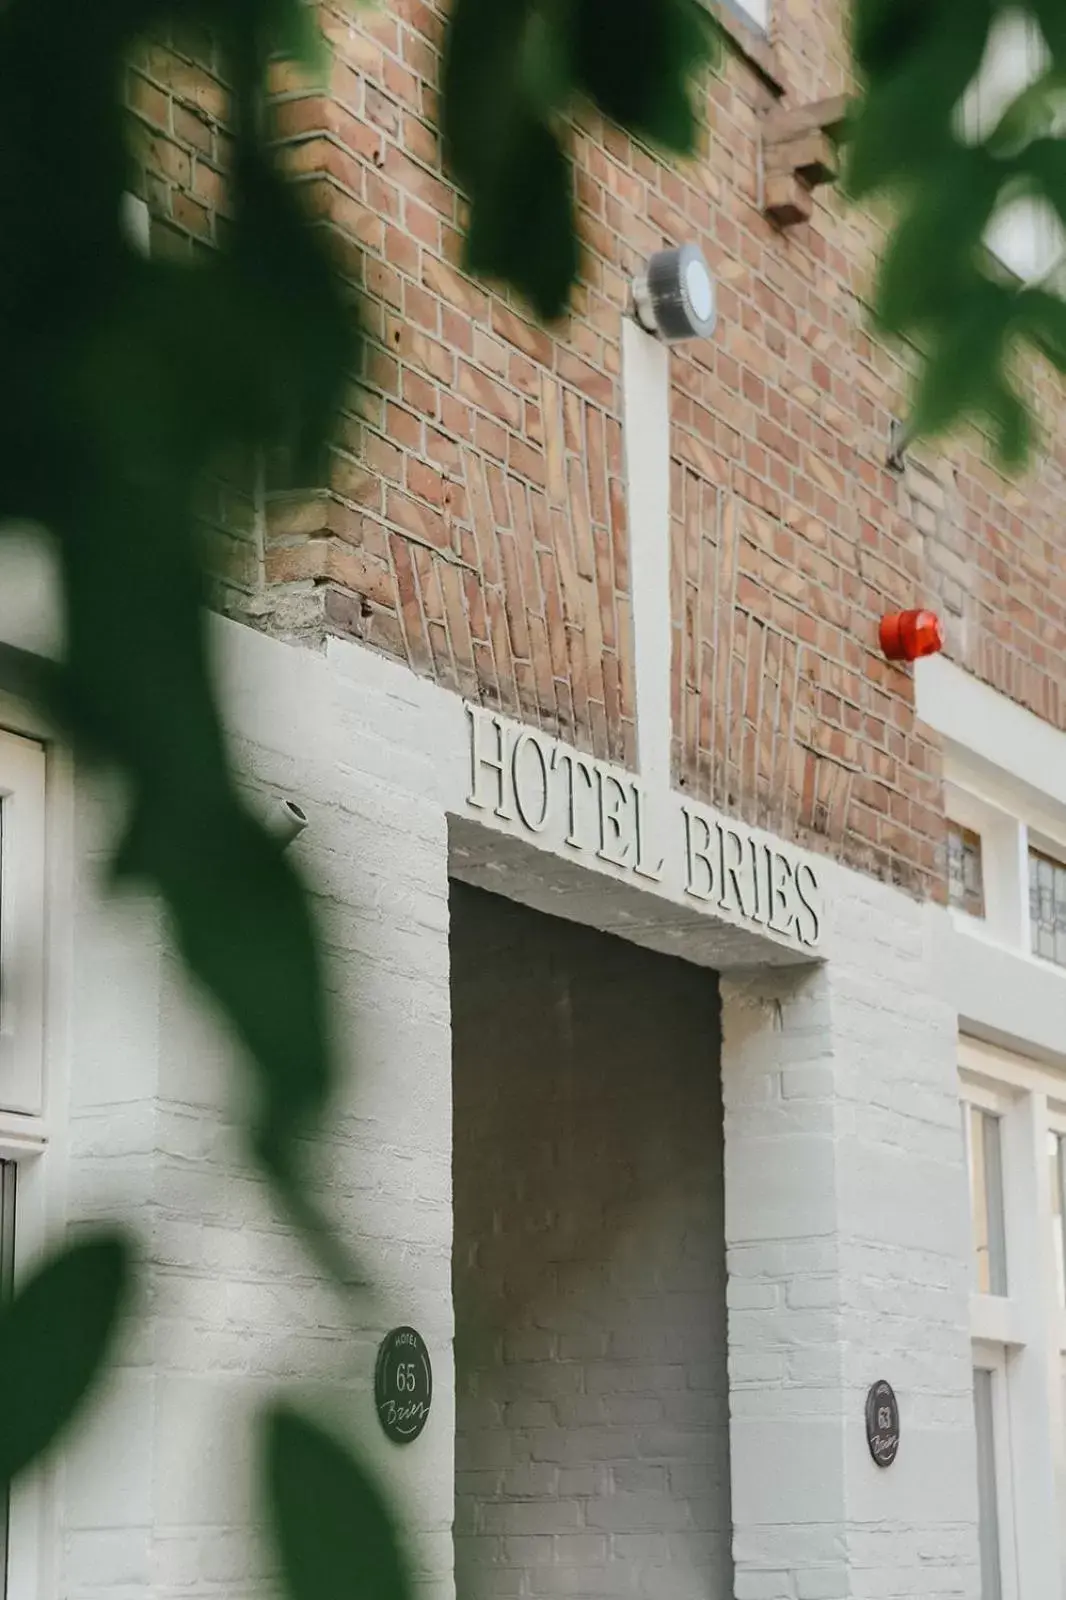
[756, 13]
[22, 925]
[1023, 1337]
[1008, 817]
[993, 1359]
[25, 888]
[993, 1313]
[31, 1518]
[1056, 1122]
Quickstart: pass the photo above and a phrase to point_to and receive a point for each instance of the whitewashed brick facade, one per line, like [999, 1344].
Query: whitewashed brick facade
[845, 1217]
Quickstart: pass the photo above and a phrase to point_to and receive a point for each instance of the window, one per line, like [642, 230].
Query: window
[7, 1267]
[756, 12]
[987, 1485]
[1047, 907]
[965, 875]
[1015, 1123]
[1057, 1154]
[22, 858]
[1024, 234]
[22, 952]
[984, 1154]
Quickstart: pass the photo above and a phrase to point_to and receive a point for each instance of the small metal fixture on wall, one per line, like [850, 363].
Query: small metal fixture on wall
[287, 821]
[899, 442]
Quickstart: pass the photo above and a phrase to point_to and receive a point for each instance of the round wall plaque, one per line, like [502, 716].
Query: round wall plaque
[882, 1423]
[403, 1384]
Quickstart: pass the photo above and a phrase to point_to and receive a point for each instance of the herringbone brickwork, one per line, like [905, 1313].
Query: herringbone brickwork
[474, 521]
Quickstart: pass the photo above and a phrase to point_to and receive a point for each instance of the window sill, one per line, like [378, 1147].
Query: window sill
[750, 42]
[978, 928]
[995, 1319]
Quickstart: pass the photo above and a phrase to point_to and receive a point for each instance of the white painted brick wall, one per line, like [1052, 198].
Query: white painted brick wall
[158, 1493]
[845, 1222]
[592, 1413]
[848, 1256]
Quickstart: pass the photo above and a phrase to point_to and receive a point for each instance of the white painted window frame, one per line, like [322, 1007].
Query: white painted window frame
[993, 1316]
[994, 1359]
[1023, 1336]
[1009, 817]
[754, 12]
[22, 925]
[31, 1523]
[36, 840]
[1056, 1122]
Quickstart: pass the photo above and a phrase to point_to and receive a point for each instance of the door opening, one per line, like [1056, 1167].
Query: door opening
[592, 1449]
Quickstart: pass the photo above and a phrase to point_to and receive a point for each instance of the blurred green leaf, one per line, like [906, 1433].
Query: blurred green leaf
[505, 153]
[1042, 316]
[884, 32]
[513, 70]
[641, 62]
[546, 69]
[295, 33]
[1051, 17]
[938, 283]
[532, 245]
[935, 245]
[336, 1537]
[957, 379]
[55, 1336]
[1030, 115]
[904, 124]
[1045, 160]
[1011, 422]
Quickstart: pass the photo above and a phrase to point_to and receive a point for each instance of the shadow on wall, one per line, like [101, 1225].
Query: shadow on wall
[589, 1272]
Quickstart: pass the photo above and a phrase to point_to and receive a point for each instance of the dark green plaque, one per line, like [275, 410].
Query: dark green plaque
[882, 1424]
[403, 1384]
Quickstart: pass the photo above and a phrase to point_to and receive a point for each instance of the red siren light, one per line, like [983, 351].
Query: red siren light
[908, 635]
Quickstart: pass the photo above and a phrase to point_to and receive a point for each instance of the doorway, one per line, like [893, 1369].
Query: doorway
[592, 1448]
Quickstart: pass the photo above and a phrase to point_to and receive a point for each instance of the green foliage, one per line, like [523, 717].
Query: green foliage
[514, 71]
[54, 1338]
[137, 377]
[937, 284]
[127, 381]
[331, 1526]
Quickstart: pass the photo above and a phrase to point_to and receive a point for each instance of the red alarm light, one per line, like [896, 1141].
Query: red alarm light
[907, 635]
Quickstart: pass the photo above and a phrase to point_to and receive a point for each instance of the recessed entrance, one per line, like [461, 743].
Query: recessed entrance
[592, 1448]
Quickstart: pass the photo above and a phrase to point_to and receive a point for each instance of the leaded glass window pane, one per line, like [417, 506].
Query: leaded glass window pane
[966, 890]
[1047, 907]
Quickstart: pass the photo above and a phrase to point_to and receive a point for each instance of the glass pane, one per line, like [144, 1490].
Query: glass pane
[986, 1193]
[965, 875]
[987, 1497]
[1047, 907]
[1057, 1154]
[7, 1269]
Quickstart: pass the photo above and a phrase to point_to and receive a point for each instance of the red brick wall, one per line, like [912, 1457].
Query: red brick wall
[474, 523]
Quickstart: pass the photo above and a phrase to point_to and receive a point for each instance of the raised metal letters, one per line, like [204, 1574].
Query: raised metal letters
[527, 778]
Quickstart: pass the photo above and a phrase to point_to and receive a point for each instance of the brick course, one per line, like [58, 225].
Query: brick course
[474, 522]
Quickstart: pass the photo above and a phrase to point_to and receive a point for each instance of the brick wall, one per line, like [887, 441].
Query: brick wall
[474, 523]
[158, 1492]
[592, 1438]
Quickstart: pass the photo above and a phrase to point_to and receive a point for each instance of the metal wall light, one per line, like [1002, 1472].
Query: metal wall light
[675, 297]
